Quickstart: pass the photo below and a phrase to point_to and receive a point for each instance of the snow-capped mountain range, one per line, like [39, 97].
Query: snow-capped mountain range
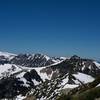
[29, 60]
[43, 76]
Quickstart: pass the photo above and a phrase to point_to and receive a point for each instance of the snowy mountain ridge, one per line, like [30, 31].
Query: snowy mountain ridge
[42, 76]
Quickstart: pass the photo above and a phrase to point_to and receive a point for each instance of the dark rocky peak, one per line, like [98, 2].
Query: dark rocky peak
[74, 65]
[58, 58]
[32, 75]
[59, 69]
[75, 58]
[37, 55]
[23, 55]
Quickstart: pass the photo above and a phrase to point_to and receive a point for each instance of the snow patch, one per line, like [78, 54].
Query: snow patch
[83, 77]
[97, 64]
[8, 69]
[70, 86]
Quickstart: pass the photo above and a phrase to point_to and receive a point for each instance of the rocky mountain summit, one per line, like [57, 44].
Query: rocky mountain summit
[28, 60]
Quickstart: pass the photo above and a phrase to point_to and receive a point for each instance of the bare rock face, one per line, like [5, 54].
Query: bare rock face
[31, 97]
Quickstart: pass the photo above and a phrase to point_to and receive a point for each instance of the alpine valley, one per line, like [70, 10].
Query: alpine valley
[40, 77]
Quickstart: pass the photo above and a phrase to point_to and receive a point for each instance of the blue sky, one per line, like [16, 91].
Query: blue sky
[53, 27]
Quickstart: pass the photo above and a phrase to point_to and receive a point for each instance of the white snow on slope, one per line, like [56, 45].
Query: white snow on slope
[83, 78]
[65, 86]
[64, 58]
[8, 69]
[80, 76]
[43, 75]
[19, 97]
[7, 55]
[97, 64]
[64, 81]
[98, 85]
[47, 58]
[71, 86]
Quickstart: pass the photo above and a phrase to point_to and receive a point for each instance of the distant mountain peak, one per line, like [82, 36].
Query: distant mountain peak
[75, 57]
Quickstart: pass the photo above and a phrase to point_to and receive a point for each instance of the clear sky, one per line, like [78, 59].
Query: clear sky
[53, 27]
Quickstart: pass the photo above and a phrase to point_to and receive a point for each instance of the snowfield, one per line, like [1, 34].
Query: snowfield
[8, 69]
[7, 55]
[83, 78]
